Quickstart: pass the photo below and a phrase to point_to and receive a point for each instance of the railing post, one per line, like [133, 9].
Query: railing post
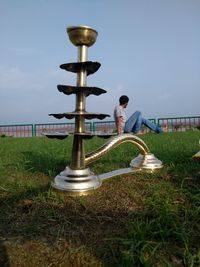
[94, 126]
[33, 130]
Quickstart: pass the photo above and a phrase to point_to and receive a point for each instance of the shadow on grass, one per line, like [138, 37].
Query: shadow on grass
[97, 229]
[43, 162]
[81, 236]
[4, 262]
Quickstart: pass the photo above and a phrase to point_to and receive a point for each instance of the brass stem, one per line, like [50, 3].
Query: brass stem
[78, 153]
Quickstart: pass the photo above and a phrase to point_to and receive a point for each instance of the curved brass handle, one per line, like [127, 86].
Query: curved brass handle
[114, 142]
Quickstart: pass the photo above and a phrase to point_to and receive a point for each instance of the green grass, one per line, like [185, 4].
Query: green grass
[139, 219]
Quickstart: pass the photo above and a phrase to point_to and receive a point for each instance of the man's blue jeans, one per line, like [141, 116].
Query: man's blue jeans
[134, 123]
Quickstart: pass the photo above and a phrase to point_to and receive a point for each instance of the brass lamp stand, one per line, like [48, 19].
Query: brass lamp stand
[77, 178]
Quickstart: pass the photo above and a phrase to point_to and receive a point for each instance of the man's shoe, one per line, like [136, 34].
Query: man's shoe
[159, 130]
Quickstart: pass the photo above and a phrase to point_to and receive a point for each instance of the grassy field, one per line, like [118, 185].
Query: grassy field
[139, 219]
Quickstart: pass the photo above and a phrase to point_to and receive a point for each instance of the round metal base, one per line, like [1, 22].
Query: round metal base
[146, 162]
[76, 181]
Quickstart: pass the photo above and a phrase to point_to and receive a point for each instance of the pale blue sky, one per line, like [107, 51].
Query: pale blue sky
[149, 50]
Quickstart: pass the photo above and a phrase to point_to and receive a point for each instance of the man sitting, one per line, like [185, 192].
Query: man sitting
[134, 123]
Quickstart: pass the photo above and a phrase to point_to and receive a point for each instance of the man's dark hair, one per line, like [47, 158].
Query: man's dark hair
[123, 99]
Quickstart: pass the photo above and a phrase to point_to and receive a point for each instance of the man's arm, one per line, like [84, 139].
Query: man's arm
[118, 125]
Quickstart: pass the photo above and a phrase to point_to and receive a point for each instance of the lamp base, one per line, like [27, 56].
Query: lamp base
[82, 182]
[146, 162]
[76, 182]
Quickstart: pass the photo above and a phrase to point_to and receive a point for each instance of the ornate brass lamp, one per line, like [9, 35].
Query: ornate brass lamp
[78, 178]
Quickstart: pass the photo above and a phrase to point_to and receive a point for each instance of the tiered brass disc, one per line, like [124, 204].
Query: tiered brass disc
[86, 115]
[89, 66]
[68, 90]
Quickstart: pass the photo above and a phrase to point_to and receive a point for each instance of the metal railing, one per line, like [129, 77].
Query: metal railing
[31, 130]
[19, 130]
[180, 124]
[106, 126]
